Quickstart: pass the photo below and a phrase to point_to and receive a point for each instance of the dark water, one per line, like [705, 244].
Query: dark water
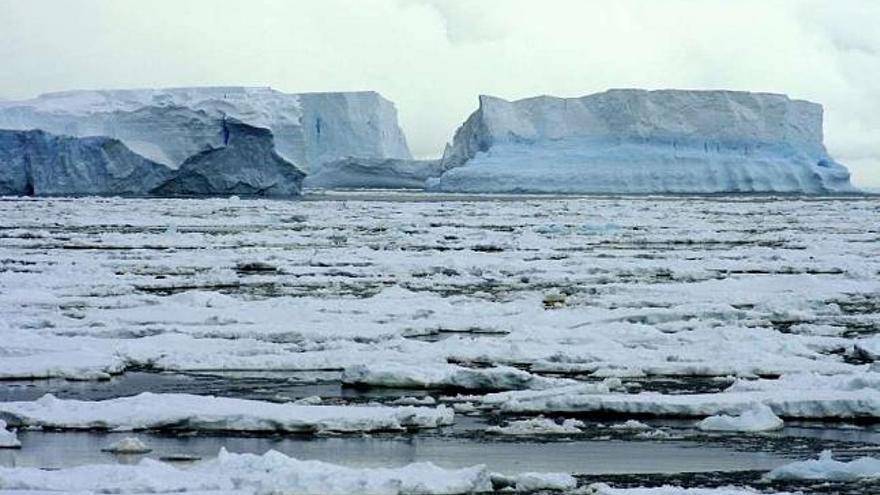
[597, 451]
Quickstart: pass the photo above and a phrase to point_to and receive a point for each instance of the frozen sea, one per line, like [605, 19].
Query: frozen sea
[341, 342]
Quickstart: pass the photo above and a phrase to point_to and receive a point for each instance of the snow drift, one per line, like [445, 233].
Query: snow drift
[638, 141]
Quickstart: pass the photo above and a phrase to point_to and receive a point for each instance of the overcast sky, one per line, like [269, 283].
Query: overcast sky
[433, 57]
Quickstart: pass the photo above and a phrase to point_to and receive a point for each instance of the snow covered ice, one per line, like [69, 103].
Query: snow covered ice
[8, 439]
[414, 318]
[206, 413]
[637, 141]
[759, 418]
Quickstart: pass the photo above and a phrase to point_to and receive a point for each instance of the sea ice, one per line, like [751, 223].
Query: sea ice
[756, 418]
[128, 445]
[826, 468]
[8, 439]
[249, 474]
[538, 426]
[207, 413]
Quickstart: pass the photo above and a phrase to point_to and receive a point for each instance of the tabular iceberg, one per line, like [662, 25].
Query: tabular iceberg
[170, 125]
[638, 141]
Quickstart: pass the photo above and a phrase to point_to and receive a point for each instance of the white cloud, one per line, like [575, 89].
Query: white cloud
[433, 57]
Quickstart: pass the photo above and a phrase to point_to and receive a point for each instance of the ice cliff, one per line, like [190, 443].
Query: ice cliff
[638, 141]
[189, 126]
[246, 165]
[170, 125]
[42, 164]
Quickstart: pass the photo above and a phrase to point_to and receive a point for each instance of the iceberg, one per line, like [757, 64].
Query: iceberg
[170, 125]
[42, 164]
[246, 165]
[639, 141]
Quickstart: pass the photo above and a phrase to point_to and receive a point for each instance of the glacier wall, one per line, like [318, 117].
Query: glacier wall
[638, 141]
[35, 163]
[168, 126]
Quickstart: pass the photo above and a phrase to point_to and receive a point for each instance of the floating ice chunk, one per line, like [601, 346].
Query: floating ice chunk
[443, 375]
[826, 468]
[206, 413]
[603, 489]
[312, 400]
[757, 418]
[415, 401]
[8, 439]
[532, 482]
[128, 445]
[538, 426]
[868, 349]
[820, 403]
[631, 425]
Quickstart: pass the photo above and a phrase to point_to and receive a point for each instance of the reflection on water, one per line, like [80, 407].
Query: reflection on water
[59, 449]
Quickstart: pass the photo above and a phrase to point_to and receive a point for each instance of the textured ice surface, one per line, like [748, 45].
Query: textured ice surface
[170, 125]
[602, 489]
[43, 164]
[8, 439]
[390, 173]
[768, 287]
[725, 302]
[246, 474]
[246, 165]
[826, 468]
[538, 426]
[636, 141]
[206, 413]
[445, 375]
[758, 418]
[128, 445]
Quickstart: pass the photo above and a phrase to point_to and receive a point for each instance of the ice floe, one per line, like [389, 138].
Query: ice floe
[603, 489]
[206, 413]
[757, 418]
[538, 426]
[826, 468]
[441, 375]
[128, 445]
[8, 439]
[243, 474]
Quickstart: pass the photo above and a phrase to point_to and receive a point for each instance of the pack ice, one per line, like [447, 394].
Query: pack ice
[172, 127]
[638, 141]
